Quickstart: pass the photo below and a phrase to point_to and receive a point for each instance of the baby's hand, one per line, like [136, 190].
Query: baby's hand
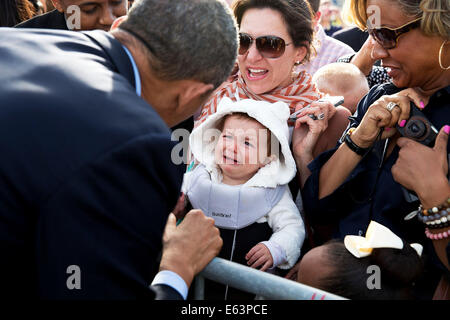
[259, 255]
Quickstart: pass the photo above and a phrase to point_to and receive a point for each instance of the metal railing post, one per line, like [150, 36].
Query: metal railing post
[261, 283]
[199, 290]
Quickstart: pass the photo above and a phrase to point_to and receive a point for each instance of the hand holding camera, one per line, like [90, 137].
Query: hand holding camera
[423, 170]
[418, 128]
[395, 111]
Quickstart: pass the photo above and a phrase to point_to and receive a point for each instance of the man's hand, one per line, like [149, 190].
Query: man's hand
[259, 255]
[190, 246]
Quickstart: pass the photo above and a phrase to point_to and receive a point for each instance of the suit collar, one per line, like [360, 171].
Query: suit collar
[115, 51]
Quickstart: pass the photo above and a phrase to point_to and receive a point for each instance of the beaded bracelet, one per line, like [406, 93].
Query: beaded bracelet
[437, 236]
[443, 216]
[434, 210]
[435, 225]
[433, 216]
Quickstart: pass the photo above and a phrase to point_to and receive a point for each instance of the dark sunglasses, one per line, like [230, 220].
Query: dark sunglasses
[268, 46]
[388, 37]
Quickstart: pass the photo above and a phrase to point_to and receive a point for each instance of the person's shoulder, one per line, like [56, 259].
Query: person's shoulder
[50, 20]
[384, 89]
[347, 32]
[353, 36]
[41, 39]
[377, 92]
[335, 43]
[332, 30]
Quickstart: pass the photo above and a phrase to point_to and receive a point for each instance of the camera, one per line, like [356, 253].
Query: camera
[418, 127]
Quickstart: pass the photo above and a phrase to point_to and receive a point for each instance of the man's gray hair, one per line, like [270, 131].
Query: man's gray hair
[188, 39]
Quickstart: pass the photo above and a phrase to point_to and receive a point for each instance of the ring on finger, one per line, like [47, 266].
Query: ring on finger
[320, 116]
[391, 105]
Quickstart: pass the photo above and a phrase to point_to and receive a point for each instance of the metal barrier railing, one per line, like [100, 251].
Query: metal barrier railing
[257, 282]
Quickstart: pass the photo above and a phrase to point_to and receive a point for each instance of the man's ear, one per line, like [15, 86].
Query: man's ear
[58, 6]
[117, 22]
[192, 90]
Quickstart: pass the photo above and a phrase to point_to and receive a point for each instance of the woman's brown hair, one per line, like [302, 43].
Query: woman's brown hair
[297, 15]
[13, 12]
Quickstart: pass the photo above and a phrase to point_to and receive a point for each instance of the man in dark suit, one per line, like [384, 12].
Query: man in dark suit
[352, 36]
[79, 15]
[90, 15]
[86, 174]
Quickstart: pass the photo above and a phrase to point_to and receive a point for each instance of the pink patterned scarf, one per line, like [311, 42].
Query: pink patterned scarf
[297, 95]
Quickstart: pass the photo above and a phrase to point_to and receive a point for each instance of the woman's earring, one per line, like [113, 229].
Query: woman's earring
[371, 54]
[440, 54]
[295, 72]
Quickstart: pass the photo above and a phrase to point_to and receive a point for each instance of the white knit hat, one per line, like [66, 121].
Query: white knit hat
[273, 116]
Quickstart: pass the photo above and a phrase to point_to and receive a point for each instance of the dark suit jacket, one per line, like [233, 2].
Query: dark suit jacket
[86, 177]
[354, 37]
[50, 20]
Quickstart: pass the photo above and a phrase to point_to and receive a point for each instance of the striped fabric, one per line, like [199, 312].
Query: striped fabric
[328, 51]
[297, 95]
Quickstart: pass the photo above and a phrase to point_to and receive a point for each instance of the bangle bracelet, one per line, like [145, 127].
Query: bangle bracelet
[437, 236]
[353, 146]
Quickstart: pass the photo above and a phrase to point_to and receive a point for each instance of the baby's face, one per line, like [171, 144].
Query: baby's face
[241, 149]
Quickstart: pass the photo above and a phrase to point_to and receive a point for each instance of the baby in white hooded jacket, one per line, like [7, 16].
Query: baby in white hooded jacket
[244, 167]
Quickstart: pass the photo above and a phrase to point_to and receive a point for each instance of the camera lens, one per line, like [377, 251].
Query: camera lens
[416, 129]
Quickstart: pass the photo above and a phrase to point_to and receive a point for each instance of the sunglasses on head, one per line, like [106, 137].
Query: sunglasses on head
[268, 46]
[388, 37]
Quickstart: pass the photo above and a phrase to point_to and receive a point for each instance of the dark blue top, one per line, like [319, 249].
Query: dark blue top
[363, 197]
[353, 36]
[86, 177]
[50, 20]
[370, 193]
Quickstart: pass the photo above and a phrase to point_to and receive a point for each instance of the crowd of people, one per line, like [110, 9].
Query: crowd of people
[279, 177]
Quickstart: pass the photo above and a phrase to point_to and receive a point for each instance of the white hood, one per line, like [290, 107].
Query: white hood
[273, 116]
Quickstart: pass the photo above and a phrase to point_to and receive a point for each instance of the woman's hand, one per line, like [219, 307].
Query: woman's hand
[378, 116]
[417, 96]
[307, 138]
[424, 170]
[307, 131]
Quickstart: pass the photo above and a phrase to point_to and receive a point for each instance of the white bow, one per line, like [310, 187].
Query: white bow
[377, 236]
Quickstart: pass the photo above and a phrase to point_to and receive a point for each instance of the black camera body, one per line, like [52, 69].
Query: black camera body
[418, 127]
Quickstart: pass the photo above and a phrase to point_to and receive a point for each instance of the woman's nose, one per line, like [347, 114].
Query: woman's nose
[253, 53]
[378, 52]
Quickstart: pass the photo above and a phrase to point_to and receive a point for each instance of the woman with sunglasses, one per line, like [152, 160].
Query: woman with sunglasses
[353, 184]
[275, 37]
